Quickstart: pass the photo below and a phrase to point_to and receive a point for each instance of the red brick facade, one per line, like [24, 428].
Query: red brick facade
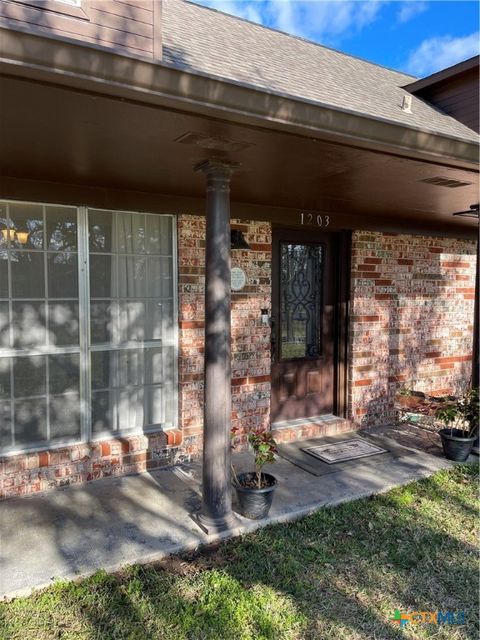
[250, 339]
[411, 321]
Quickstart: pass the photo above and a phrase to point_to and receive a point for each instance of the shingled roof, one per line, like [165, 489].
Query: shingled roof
[208, 41]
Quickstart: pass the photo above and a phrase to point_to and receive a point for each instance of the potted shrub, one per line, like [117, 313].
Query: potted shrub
[255, 488]
[461, 426]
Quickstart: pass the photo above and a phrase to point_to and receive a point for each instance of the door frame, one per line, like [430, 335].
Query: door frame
[342, 243]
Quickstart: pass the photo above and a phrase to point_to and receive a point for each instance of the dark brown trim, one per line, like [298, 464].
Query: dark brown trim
[12, 188]
[344, 255]
[442, 76]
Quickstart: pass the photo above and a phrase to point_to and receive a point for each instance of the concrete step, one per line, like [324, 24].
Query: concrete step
[305, 428]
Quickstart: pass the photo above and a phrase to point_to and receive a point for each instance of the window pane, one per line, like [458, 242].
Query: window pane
[45, 399]
[61, 229]
[30, 421]
[103, 276]
[131, 277]
[102, 321]
[27, 274]
[27, 221]
[28, 321]
[103, 369]
[131, 301]
[159, 235]
[155, 398]
[155, 360]
[64, 373]
[63, 323]
[64, 417]
[159, 275]
[103, 411]
[62, 275]
[159, 321]
[130, 409]
[29, 376]
[3, 269]
[131, 321]
[5, 424]
[130, 368]
[128, 233]
[100, 231]
[5, 386]
[4, 325]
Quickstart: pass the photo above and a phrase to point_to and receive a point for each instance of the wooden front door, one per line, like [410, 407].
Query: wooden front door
[303, 324]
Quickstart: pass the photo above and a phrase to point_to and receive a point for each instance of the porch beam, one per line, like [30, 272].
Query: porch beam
[216, 514]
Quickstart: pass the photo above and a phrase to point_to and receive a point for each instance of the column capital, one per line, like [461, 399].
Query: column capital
[218, 173]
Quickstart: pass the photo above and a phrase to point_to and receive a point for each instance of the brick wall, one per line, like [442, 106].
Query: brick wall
[411, 324]
[250, 339]
[29, 473]
[412, 319]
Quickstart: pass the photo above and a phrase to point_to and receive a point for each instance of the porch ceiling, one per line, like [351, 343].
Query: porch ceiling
[66, 135]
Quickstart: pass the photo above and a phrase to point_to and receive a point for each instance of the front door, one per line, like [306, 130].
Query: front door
[303, 324]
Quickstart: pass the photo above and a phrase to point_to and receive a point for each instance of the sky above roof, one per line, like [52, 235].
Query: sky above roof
[414, 36]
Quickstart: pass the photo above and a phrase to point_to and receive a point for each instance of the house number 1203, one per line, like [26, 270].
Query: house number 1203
[315, 220]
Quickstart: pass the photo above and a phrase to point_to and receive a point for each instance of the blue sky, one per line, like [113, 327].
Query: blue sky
[418, 37]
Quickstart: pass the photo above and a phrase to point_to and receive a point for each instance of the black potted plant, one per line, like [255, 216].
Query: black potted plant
[461, 419]
[255, 488]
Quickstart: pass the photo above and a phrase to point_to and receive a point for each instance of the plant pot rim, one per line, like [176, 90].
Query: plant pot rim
[239, 487]
[446, 433]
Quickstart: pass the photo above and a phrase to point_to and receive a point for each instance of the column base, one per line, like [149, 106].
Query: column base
[211, 525]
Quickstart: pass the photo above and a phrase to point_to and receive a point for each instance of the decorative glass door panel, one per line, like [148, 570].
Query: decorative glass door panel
[303, 312]
[301, 300]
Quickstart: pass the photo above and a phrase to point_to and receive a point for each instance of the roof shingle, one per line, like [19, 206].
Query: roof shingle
[211, 42]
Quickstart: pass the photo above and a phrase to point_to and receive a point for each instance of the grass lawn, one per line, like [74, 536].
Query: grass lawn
[337, 574]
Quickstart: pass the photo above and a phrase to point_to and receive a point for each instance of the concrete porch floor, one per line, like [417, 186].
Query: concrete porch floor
[74, 531]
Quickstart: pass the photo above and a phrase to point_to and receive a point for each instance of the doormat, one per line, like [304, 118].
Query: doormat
[344, 450]
[295, 453]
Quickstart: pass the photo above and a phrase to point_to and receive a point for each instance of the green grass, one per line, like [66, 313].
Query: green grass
[337, 574]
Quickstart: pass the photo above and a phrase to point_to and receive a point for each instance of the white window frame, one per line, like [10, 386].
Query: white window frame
[86, 348]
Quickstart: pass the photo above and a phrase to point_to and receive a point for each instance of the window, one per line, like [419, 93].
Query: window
[88, 342]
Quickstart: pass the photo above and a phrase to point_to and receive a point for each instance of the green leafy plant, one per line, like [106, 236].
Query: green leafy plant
[264, 449]
[462, 414]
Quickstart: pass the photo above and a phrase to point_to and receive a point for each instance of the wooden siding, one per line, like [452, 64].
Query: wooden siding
[127, 26]
[459, 97]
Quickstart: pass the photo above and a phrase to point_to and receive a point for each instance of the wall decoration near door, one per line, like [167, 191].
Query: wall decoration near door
[303, 324]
